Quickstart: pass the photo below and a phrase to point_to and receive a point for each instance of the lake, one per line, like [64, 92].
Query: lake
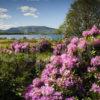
[34, 36]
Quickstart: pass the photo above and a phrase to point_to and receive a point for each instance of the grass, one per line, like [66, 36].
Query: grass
[43, 56]
[5, 43]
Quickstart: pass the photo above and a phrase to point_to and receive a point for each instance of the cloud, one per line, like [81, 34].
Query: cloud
[5, 26]
[29, 11]
[4, 14]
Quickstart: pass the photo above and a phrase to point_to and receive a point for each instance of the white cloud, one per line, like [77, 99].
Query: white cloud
[29, 11]
[5, 26]
[4, 14]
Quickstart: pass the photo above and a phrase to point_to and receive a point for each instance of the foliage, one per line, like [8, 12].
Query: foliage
[72, 74]
[58, 31]
[25, 47]
[6, 33]
[82, 15]
[17, 69]
[43, 45]
[16, 72]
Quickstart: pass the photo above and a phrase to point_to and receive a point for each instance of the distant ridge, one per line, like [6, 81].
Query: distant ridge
[30, 30]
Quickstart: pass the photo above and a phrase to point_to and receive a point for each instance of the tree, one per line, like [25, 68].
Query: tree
[82, 15]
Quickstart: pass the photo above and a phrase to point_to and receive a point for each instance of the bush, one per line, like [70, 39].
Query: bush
[16, 72]
[72, 74]
[20, 47]
[43, 46]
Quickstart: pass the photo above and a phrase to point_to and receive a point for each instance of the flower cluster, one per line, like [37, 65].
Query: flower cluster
[59, 49]
[72, 73]
[20, 47]
[26, 47]
[95, 61]
[41, 91]
[93, 31]
[95, 88]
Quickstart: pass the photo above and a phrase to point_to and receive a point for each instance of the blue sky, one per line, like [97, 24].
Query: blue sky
[51, 13]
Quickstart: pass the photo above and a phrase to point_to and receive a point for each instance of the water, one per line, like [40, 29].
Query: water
[33, 36]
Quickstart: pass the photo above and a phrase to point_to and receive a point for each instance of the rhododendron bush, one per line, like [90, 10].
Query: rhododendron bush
[17, 46]
[73, 72]
[43, 46]
[20, 47]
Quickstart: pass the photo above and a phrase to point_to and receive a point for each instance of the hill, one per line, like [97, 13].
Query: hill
[29, 30]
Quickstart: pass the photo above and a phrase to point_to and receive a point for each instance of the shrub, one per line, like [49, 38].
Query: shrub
[16, 72]
[20, 47]
[73, 74]
[43, 46]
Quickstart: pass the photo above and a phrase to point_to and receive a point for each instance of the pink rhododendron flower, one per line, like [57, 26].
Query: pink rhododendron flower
[95, 88]
[95, 61]
[62, 69]
[92, 31]
[47, 90]
[42, 93]
[82, 43]
[91, 69]
[72, 48]
[24, 46]
[19, 47]
[67, 70]
[86, 33]
[70, 62]
[75, 40]
[17, 50]
[97, 76]
[37, 82]
[56, 60]
[64, 56]
[66, 73]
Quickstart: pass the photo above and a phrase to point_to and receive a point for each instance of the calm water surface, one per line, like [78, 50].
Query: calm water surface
[34, 36]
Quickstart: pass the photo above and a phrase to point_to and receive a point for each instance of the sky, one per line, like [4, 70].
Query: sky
[50, 13]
